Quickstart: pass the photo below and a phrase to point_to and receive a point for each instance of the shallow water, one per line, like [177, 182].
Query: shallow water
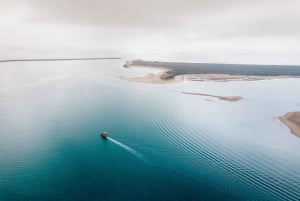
[163, 145]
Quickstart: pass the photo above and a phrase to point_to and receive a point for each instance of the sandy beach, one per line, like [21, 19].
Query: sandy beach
[155, 78]
[292, 120]
[228, 78]
[226, 98]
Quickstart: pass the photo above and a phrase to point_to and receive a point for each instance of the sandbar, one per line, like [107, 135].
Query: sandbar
[292, 121]
[226, 98]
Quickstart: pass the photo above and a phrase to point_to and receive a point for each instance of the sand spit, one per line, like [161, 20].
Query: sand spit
[226, 98]
[292, 121]
[155, 78]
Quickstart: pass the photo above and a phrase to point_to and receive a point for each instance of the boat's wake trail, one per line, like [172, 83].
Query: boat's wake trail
[130, 150]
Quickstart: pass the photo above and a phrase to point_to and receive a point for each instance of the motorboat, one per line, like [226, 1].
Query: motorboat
[104, 134]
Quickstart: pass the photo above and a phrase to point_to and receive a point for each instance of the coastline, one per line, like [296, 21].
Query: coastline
[153, 78]
[228, 78]
[292, 121]
[181, 68]
[166, 76]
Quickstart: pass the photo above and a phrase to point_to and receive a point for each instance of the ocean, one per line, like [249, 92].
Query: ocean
[163, 145]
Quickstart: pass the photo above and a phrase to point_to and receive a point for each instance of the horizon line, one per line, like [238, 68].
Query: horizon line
[59, 59]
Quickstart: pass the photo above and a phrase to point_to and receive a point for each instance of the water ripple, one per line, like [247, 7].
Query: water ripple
[207, 147]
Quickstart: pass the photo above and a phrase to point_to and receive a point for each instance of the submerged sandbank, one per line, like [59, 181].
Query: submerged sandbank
[226, 98]
[292, 121]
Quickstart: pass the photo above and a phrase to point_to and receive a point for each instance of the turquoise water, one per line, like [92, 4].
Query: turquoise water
[163, 145]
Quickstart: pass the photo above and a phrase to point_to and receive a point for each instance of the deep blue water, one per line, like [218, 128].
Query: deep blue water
[163, 145]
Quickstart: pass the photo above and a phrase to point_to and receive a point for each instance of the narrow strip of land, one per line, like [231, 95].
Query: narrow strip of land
[176, 72]
[292, 121]
[226, 98]
[176, 69]
[57, 59]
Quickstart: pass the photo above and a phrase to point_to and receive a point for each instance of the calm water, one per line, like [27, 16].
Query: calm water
[163, 145]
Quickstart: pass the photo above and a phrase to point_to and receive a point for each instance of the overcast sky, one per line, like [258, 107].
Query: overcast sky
[229, 31]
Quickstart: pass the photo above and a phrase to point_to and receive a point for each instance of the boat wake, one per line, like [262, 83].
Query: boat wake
[130, 150]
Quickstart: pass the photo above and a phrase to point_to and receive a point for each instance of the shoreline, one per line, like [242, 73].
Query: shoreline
[153, 78]
[292, 121]
[181, 68]
[166, 76]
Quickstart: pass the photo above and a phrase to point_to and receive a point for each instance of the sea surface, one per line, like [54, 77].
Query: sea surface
[163, 145]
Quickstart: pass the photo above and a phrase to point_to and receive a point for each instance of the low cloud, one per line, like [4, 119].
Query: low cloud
[193, 30]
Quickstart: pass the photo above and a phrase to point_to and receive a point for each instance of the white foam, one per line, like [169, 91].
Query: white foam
[130, 150]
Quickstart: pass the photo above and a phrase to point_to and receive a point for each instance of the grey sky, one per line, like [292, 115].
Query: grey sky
[235, 31]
